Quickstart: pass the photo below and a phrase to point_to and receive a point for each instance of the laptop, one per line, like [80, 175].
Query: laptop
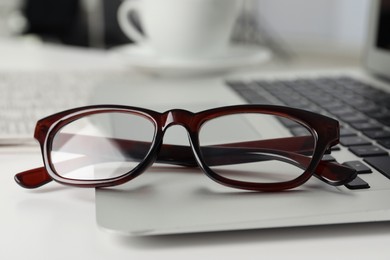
[173, 200]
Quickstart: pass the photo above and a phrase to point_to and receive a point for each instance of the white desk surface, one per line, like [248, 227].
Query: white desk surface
[57, 222]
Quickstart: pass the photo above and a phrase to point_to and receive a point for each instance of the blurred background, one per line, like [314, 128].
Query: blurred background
[288, 25]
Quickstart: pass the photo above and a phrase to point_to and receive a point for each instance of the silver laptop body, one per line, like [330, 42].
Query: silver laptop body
[170, 200]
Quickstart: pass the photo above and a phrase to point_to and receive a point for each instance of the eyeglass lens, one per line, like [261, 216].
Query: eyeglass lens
[259, 156]
[101, 146]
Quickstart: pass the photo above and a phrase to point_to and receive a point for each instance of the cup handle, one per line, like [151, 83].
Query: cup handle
[126, 24]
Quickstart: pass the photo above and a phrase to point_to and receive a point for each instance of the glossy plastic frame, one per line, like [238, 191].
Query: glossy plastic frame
[324, 129]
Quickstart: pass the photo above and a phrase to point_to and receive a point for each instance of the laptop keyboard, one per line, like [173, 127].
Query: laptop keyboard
[363, 112]
[30, 96]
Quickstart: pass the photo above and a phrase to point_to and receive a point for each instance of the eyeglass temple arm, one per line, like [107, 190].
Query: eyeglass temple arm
[182, 155]
[244, 152]
[172, 154]
[221, 155]
[33, 178]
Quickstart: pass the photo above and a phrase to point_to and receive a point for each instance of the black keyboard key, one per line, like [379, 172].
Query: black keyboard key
[377, 134]
[381, 163]
[334, 105]
[381, 98]
[357, 184]
[344, 131]
[353, 118]
[354, 141]
[371, 125]
[369, 108]
[385, 143]
[367, 150]
[360, 167]
[379, 113]
[385, 121]
[346, 110]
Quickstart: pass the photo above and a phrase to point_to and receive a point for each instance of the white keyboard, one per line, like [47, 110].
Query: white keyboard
[26, 97]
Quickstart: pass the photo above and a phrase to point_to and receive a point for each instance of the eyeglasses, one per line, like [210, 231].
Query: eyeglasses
[108, 145]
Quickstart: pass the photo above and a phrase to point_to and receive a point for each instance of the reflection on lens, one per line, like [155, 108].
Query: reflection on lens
[101, 146]
[255, 148]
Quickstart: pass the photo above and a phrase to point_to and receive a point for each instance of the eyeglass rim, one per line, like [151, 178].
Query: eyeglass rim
[325, 137]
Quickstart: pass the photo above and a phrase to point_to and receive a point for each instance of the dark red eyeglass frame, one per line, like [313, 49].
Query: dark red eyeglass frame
[324, 129]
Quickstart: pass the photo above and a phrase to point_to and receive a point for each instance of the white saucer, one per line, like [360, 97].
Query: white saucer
[145, 59]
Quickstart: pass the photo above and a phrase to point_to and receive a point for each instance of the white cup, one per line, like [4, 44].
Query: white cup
[181, 28]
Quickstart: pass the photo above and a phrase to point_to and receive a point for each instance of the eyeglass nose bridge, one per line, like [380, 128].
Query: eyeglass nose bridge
[177, 117]
[185, 156]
